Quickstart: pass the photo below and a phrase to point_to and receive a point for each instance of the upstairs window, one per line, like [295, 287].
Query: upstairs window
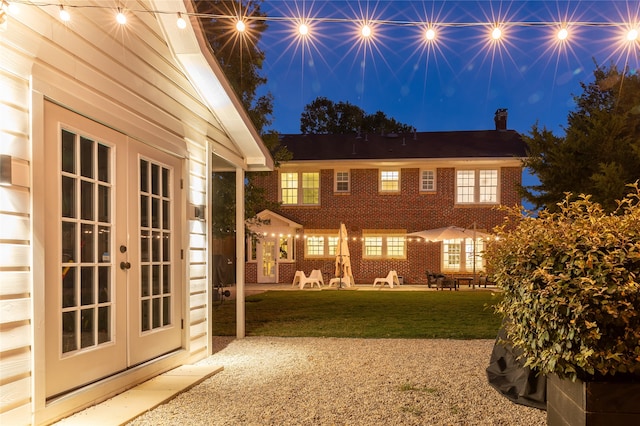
[477, 186]
[300, 188]
[389, 181]
[342, 182]
[427, 180]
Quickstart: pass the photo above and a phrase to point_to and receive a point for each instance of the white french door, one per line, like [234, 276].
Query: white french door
[113, 290]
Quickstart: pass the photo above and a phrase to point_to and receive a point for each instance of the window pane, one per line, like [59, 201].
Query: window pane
[68, 286]
[69, 342]
[284, 248]
[488, 186]
[68, 197]
[87, 294]
[104, 204]
[315, 246]
[166, 310]
[451, 254]
[86, 200]
[289, 188]
[87, 334]
[389, 180]
[155, 179]
[87, 243]
[342, 181]
[395, 247]
[103, 163]
[86, 157]
[465, 186]
[69, 253]
[68, 152]
[104, 284]
[428, 180]
[310, 188]
[373, 246]
[144, 176]
[333, 245]
[104, 324]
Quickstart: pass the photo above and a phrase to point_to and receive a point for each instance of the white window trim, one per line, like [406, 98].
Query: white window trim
[326, 253]
[397, 191]
[384, 236]
[335, 181]
[300, 187]
[476, 190]
[435, 180]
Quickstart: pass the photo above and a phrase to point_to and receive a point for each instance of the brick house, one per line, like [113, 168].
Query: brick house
[383, 187]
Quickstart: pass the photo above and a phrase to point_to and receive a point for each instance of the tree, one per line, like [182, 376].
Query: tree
[323, 116]
[241, 60]
[600, 152]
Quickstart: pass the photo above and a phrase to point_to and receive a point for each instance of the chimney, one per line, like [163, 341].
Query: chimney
[501, 119]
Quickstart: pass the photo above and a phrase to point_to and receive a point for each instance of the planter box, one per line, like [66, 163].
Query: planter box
[592, 403]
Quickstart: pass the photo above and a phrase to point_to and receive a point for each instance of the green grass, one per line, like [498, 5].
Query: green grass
[364, 314]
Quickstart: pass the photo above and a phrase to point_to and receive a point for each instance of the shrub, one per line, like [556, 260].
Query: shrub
[571, 291]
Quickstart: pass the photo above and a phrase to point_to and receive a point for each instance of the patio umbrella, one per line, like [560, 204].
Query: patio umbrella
[448, 233]
[453, 233]
[343, 259]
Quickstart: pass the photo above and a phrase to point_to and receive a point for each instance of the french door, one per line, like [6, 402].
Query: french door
[266, 257]
[113, 288]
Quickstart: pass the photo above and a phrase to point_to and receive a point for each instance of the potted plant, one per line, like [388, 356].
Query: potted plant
[571, 304]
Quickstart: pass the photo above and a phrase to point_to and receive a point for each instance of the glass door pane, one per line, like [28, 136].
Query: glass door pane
[86, 244]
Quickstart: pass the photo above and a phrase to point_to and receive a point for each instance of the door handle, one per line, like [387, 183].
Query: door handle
[125, 265]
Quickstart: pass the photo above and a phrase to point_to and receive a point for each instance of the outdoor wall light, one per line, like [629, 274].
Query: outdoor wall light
[5, 170]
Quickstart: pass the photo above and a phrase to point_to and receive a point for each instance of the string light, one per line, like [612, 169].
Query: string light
[365, 31]
[181, 23]
[121, 18]
[303, 29]
[64, 14]
[430, 34]
[497, 33]
[241, 26]
[563, 33]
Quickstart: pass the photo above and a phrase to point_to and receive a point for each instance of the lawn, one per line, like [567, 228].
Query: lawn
[364, 314]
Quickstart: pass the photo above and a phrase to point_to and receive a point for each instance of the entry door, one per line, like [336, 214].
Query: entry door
[266, 258]
[113, 292]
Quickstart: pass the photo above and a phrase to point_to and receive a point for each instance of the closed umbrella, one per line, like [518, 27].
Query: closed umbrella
[343, 259]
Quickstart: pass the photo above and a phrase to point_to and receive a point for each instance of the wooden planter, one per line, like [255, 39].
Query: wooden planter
[592, 403]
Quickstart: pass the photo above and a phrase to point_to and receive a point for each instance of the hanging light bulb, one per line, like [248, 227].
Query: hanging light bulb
[64, 14]
[241, 26]
[430, 34]
[496, 33]
[632, 35]
[303, 29]
[563, 33]
[181, 23]
[121, 18]
[365, 31]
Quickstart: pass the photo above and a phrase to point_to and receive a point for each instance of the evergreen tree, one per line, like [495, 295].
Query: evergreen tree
[600, 152]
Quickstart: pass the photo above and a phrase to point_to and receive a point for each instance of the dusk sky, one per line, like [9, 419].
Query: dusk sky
[457, 81]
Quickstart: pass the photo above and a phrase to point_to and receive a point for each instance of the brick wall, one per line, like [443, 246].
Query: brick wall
[410, 210]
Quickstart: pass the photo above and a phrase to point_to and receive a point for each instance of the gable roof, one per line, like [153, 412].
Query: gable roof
[458, 144]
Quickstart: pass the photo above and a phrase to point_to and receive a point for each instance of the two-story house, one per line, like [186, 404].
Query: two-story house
[384, 187]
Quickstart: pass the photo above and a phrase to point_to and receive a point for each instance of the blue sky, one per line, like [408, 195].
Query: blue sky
[456, 83]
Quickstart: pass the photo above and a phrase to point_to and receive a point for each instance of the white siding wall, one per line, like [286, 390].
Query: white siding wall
[15, 251]
[124, 77]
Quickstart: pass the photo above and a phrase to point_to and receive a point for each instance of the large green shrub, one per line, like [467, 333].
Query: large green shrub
[571, 282]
